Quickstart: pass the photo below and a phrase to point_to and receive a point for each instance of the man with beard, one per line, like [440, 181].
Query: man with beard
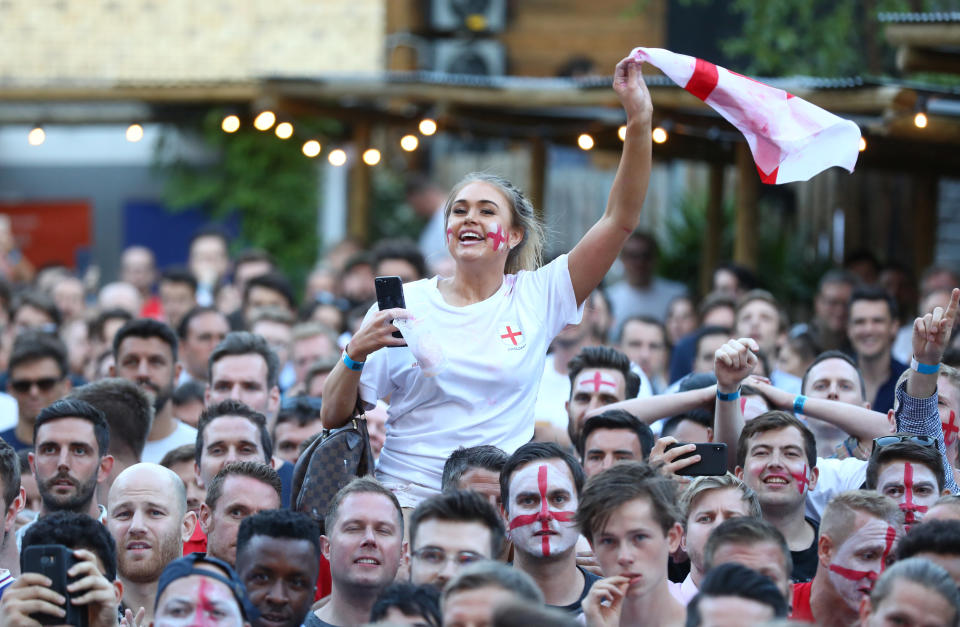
[540, 488]
[70, 458]
[149, 521]
[278, 552]
[145, 352]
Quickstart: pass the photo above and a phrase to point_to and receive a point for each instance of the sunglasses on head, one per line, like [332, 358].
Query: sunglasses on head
[22, 386]
[887, 440]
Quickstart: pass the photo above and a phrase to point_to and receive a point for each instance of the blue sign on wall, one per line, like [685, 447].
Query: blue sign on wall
[149, 223]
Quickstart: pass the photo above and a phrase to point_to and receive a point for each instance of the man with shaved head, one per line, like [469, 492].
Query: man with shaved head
[149, 520]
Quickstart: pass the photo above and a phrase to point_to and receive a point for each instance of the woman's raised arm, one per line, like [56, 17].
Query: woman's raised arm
[593, 255]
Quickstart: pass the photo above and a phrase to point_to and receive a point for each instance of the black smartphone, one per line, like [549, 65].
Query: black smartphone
[390, 294]
[53, 561]
[713, 459]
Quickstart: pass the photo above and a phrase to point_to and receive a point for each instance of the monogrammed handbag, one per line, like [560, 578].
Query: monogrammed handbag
[329, 463]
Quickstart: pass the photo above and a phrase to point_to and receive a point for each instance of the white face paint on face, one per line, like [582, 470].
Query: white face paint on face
[912, 486]
[543, 501]
[861, 559]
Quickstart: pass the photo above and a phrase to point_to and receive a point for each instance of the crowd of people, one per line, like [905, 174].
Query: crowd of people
[535, 433]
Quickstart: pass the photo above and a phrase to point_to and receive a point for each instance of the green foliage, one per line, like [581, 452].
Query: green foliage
[814, 37]
[681, 246]
[266, 181]
[390, 216]
[787, 266]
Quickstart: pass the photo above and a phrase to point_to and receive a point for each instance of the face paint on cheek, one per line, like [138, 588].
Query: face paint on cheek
[950, 429]
[801, 479]
[910, 509]
[544, 517]
[499, 239]
[449, 235]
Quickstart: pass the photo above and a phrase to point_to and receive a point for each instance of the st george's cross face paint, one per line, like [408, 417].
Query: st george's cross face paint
[543, 502]
[913, 486]
[861, 559]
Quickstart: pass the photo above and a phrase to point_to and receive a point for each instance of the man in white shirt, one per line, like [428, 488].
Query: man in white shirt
[145, 352]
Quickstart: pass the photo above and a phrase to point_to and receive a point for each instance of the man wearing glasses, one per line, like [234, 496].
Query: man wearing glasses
[38, 377]
[449, 531]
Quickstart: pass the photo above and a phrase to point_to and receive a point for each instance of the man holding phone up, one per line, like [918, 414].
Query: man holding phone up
[92, 572]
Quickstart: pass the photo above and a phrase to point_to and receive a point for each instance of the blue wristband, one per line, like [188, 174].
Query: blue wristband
[924, 368]
[351, 364]
[798, 403]
[732, 396]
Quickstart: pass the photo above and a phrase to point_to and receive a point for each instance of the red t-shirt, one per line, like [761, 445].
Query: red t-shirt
[801, 603]
[197, 542]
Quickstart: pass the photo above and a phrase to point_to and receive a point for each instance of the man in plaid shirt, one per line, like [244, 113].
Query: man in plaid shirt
[917, 392]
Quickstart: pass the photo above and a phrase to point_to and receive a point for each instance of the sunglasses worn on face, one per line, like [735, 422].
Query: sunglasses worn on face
[887, 440]
[22, 386]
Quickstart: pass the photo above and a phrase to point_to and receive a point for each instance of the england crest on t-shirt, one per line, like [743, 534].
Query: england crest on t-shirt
[512, 336]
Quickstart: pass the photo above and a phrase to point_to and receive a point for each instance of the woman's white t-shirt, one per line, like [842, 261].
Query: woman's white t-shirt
[494, 353]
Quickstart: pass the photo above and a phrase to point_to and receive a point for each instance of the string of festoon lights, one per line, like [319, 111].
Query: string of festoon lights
[312, 148]
[38, 134]
[409, 142]
[266, 120]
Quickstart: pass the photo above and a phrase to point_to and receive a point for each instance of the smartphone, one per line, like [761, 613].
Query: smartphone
[713, 459]
[390, 294]
[53, 561]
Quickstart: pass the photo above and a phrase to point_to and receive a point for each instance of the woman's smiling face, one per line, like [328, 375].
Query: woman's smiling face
[480, 223]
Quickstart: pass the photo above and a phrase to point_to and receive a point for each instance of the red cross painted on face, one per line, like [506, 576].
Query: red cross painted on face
[597, 381]
[857, 575]
[910, 509]
[498, 237]
[801, 478]
[449, 235]
[544, 516]
[950, 429]
[205, 607]
[511, 335]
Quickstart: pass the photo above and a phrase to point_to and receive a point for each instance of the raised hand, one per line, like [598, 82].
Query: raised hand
[931, 332]
[733, 362]
[92, 589]
[666, 462]
[632, 90]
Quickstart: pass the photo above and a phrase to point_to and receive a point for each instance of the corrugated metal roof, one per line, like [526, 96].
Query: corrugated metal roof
[564, 84]
[940, 17]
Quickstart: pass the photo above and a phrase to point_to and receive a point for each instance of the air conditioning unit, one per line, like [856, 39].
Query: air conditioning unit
[477, 57]
[479, 16]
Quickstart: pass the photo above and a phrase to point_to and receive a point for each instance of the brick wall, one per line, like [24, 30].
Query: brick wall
[52, 42]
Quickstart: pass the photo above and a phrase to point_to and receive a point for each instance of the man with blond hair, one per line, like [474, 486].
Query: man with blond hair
[858, 534]
[704, 504]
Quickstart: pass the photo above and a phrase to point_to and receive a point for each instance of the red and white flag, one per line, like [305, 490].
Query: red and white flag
[791, 139]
